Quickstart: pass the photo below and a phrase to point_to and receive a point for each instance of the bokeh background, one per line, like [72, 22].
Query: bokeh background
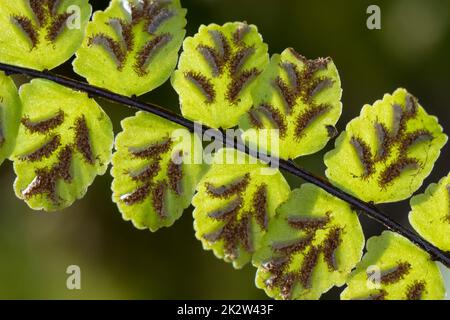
[411, 50]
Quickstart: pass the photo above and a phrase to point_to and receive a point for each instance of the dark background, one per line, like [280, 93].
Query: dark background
[117, 261]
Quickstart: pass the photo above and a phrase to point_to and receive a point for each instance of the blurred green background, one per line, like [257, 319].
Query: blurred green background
[411, 50]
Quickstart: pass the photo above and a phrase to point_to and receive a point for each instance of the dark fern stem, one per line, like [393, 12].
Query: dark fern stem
[288, 166]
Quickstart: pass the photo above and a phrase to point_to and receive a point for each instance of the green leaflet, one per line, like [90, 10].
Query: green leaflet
[132, 47]
[300, 98]
[65, 139]
[312, 245]
[217, 71]
[430, 213]
[394, 269]
[385, 154]
[10, 111]
[234, 203]
[41, 34]
[151, 185]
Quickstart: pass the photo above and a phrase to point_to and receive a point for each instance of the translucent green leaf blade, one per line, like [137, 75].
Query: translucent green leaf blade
[41, 34]
[132, 47]
[312, 245]
[65, 140]
[234, 205]
[430, 213]
[217, 70]
[151, 186]
[385, 154]
[298, 97]
[10, 111]
[394, 269]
